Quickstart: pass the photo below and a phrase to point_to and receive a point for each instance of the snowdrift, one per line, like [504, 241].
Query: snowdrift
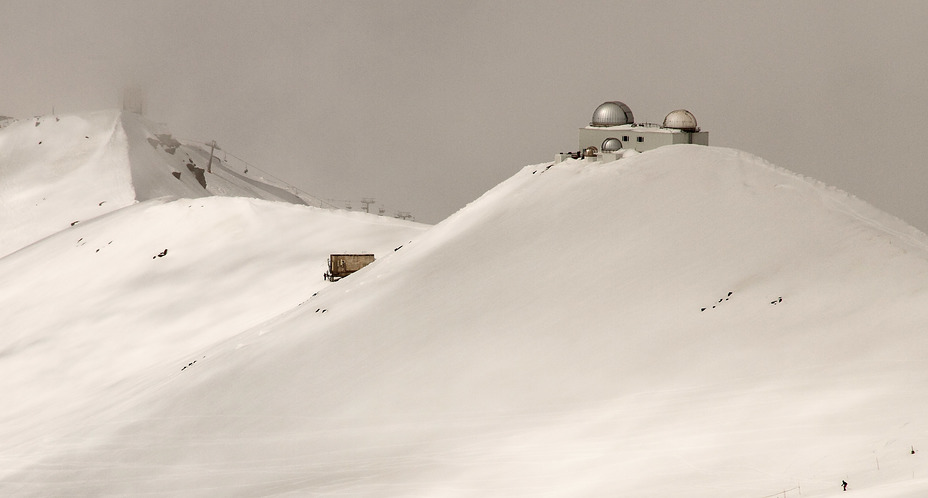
[58, 171]
[688, 321]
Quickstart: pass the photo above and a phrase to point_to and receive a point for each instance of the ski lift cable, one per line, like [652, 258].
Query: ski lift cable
[250, 165]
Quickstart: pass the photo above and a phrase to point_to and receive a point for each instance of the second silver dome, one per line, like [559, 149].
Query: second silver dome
[681, 119]
[613, 113]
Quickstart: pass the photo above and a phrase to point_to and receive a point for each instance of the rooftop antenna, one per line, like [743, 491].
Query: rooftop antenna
[367, 201]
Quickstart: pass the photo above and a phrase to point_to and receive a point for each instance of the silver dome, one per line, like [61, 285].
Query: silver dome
[681, 119]
[612, 114]
[590, 151]
[611, 145]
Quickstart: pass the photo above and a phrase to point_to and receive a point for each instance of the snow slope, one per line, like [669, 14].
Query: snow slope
[86, 310]
[690, 321]
[56, 171]
[59, 170]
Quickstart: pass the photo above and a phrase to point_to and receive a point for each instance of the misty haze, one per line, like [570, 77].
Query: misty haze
[468, 249]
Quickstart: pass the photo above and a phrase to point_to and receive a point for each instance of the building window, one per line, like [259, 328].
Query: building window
[641, 139]
[625, 138]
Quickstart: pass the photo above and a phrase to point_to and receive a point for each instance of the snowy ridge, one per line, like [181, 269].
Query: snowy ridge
[688, 321]
[860, 209]
[62, 170]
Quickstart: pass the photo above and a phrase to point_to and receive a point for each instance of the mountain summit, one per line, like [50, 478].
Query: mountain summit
[62, 170]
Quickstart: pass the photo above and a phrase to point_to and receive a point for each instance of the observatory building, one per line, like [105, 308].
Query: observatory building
[613, 130]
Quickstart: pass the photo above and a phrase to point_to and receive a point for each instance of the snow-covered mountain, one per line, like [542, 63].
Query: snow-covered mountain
[690, 321]
[62, 170]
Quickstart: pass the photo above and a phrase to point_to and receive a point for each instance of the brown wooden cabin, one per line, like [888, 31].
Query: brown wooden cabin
[342, 265]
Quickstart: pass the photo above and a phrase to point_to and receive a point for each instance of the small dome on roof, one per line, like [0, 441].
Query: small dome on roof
[590, 151]
[611, 145]
[681, 119]
[613, 113]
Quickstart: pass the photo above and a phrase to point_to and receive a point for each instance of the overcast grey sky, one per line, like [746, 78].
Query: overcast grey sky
[426, 105]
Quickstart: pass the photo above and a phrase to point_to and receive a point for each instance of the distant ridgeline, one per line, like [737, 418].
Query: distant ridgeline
[613, 132]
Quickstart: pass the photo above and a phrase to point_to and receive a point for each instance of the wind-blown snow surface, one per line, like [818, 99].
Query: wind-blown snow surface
[690, 321]
[88, 309]
[54, 172]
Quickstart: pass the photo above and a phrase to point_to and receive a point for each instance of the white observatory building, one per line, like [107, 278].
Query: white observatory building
[613, 130]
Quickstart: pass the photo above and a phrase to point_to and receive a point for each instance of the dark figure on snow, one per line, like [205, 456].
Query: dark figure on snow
[844, 485]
